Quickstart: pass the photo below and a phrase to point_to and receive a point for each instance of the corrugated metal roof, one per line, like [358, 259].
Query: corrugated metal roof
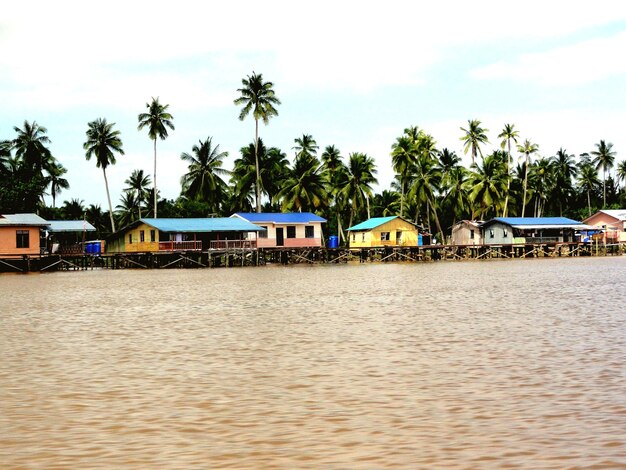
[619, 214]
[22, 219]
[70, 226]
[373, 223]
[217, 224]
[542, 222]
[280, 217]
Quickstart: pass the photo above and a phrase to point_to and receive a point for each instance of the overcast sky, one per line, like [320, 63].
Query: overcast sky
[353, 74]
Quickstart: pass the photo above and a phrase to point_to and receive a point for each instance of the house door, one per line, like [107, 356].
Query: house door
[280, 237]
[399, 237]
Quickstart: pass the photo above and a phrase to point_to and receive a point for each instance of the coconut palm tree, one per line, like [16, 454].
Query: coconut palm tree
[474, 136]
[259, 98]
[103, 142]
[604, 157]
[487, 186]
[404, 153]
[305, 145]
[73, 209]
[528, 149]
[56, 180]
[508, 134]
[386, 203]
[139, 183]
[334, 172]
[305, 186]
[621, 171]
[542, 181]
[357, 181]
[30, 147]
[588, 181]
[565, 170]
[203, 180]
[426, 182]
[157, 120]
[125, 210]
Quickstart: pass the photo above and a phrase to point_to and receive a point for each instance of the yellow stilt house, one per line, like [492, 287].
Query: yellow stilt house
[384, 231]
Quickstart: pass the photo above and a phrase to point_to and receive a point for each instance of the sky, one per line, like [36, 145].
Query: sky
[353, 74]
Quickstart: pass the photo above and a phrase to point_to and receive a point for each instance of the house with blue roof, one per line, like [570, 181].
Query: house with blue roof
[521, 230]
[285, 229]
[384, 231]
[199, 234]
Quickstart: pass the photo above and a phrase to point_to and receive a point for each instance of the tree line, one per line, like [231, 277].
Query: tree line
[431, 186]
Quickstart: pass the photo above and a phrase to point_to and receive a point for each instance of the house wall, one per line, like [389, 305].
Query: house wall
[372, 238]
[299, 241]
[8, 241]
[497, 234]
[137, 245]
[461, 234]
[601, 220]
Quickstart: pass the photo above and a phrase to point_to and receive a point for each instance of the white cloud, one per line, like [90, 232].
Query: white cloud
[580, 63]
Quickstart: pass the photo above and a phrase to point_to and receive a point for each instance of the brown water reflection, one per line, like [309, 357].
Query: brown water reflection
[516, 364]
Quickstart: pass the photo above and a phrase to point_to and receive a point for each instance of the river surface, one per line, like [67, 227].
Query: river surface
[502, 364]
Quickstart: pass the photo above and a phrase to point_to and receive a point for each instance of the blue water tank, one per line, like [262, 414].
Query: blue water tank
[420, 240]
[96, 247]
[333, 242]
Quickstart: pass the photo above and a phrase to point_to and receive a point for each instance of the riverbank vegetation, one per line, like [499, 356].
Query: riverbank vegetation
[513, 176]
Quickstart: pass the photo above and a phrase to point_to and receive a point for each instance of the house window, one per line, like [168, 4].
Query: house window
[22, 238]
[353, 236]
[471, 234]
[309, 231]
[362, 236]
[291, 231]
[130, 238]
[263, 233]
[384, 236]
[142, 236]
[152, 235]
[505, 232]
[491, 233]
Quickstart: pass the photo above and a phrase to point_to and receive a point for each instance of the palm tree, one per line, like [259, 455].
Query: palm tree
[542, 179]
[203, 180]
[56, 181]
[604, 157]
[404, 154]
[621, 171]
[527, 148]
[305, 187]
[456, 198]
[565, 170]
[126, 208]
[385, 204]
[73, 210]
[473, 138]
[356, 185]
[30, 147]
[103, 143]
[305, 145]
[487, 185]
[139, 183]
[588, 180]
[157, 120]
[426, 181]
[259, 97]
[334, 171]
[508, 134]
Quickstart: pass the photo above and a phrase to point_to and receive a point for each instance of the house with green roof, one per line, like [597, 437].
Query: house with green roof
[383, 231]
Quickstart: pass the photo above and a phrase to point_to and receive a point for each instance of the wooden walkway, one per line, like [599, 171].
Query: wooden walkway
[233, 257]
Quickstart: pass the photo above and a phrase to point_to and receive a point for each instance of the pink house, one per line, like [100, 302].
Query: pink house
[612, 222]
[292, 229]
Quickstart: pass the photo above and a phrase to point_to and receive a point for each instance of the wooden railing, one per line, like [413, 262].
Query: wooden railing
[227, 244]
[181, 245]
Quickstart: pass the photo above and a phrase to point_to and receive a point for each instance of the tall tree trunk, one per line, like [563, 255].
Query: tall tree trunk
[589, 202]
[106, 185]
[604, 188]
[508, 180]
[401, 196]
[256, 162]
[367, 203]
[139, 202]
[155, 184]
[525, 183]
[432, 206]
